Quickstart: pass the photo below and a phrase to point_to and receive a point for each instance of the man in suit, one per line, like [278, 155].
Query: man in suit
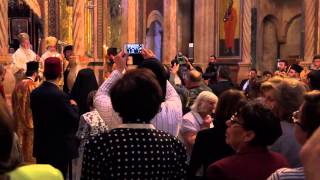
[246, 83]
[55, 119]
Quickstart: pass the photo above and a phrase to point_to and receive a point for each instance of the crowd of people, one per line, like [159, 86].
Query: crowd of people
[154, 121]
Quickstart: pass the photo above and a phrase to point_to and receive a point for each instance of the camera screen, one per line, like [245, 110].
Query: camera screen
[134, 48]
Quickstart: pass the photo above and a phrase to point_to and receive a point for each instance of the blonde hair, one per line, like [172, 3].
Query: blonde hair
[204, 95]
[51, 41]
[288, 94]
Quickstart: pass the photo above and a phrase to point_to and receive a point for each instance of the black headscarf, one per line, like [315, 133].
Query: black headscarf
[84, 84]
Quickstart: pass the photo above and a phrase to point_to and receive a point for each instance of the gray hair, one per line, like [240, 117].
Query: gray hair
[204, 95]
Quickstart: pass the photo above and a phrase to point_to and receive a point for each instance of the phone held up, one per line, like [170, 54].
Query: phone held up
[134, 50]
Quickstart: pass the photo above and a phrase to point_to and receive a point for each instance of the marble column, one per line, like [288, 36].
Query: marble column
[78, 28]
[4, 44]
[310, 17]
[169, 30]
[204, 31]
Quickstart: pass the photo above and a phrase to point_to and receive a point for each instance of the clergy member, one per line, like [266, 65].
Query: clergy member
[23, 55]
[22, 112]
[51, 46]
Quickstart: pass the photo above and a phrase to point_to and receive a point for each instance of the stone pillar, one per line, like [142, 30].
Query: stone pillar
[78, 28]
[204, 31]
[45, 19]
[128, 27]
[169, 30]
[309, 45]
[4, 44]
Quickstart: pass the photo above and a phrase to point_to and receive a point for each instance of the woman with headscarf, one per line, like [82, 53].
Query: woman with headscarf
[84, 84]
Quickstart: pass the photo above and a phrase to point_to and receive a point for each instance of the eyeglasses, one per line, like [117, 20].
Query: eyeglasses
[296, 117]
[235, 120]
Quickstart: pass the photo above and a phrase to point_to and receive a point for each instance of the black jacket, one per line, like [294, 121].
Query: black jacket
[55, 123]
[221, 86]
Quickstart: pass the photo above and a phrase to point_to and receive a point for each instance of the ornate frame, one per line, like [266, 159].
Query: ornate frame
[218, 42]
[15, 23]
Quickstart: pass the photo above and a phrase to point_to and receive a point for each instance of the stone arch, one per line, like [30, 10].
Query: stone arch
[154, 33]
[292, 46]
[154, 15]
[291, 21]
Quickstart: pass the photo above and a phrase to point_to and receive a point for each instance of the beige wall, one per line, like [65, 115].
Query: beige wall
[278, 22]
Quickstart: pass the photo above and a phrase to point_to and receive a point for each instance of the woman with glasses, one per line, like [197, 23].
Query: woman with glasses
[306, 121]
[249, 133]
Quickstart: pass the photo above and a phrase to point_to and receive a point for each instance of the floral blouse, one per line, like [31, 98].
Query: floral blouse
[90, 124]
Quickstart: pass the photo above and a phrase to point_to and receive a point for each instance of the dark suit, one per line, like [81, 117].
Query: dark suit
[242, 83]
[210, 146]
[55, 124]
[249, 164]
[221, 86]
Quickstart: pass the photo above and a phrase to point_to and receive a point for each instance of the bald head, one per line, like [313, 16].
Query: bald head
[194, 76]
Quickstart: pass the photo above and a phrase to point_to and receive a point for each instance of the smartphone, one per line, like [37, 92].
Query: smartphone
[133, 48]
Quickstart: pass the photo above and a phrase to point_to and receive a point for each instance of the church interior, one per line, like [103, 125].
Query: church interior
[244, 36]
[266, 30]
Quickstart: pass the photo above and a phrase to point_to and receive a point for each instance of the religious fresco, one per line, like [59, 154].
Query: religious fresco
[229, 30]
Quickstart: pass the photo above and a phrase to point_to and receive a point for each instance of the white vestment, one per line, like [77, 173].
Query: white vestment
[21, 57]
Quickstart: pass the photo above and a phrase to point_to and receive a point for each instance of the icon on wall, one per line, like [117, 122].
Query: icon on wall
[18, 25]
[229, 31]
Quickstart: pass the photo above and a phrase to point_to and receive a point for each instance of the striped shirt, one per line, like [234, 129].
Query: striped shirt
[168, 119]
[288, 174]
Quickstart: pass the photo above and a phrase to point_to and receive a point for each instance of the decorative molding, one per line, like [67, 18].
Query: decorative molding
[309, 42]
[4, 27]
[52, 18]
[100, 29]
[246, 33]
